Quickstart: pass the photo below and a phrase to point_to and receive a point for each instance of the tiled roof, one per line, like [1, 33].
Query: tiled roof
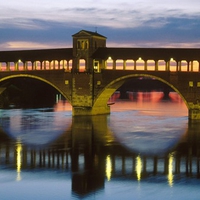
[89, 33]
[34, 55]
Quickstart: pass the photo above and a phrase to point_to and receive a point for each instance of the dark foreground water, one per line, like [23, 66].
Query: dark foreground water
[145, 149]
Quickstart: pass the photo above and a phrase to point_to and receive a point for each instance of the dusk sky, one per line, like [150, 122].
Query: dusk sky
[38, 24]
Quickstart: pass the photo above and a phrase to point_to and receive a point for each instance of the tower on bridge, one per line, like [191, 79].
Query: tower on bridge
[85, 43]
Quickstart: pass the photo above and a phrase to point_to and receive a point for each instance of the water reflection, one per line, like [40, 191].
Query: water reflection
[170, 170]
[18, 160]
[95, 153]
[138, 167]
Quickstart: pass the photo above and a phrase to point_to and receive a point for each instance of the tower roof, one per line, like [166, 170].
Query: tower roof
[89, 33]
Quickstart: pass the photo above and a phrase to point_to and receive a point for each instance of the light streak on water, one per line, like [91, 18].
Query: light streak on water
[19, 160]
[108, 168]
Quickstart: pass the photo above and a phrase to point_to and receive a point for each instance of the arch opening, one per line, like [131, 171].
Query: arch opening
[130, 64]
[140, 64]
[109, 63]
[24, 91]
[82, 65]
[161, 65]
[144, 86]
[119, 64]
[151, 65]
[183, 66]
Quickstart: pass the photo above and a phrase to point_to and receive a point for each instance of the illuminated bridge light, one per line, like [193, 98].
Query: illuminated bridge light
[19, 160]
[138, 167]
[108, 167]
[170, 169]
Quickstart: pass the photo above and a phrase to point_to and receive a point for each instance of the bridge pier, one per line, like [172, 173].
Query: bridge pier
[82, 111]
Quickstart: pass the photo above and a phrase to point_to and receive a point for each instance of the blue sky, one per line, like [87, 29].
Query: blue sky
[36, 24]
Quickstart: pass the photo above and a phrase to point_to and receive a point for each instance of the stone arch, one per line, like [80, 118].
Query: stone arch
[104, 96]
[38, 78]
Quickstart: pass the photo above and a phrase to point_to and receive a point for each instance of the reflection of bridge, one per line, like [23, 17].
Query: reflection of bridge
[99, 164]
[89, 73]
[95, 155]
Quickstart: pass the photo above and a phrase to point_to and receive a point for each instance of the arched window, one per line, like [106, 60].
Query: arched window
[119, 64]
[129, 65]
[183, 65]
[3, 66]
[172, 65]
[11, 66]
[21, 65]
[151, 65]
[82, 65]
[78, 44]
[140, 64]
[109, 63]
[54, 64]
[161, 65]
[36, 65]
[194, 66]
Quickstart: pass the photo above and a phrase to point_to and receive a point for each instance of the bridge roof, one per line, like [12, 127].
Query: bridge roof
[36, 55]
[147, 53]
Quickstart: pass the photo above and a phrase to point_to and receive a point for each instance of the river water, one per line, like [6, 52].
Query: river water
[145, 149]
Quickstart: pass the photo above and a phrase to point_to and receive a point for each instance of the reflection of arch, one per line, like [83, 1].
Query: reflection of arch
[136, 134]
[103, 98]
[38, 78]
